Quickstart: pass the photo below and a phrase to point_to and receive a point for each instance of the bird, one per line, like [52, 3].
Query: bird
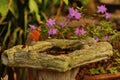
[32, 37]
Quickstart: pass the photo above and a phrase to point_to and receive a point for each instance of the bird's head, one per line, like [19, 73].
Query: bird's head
[39, 29]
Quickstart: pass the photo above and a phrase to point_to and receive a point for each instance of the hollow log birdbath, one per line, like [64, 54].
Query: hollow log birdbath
[55, 59]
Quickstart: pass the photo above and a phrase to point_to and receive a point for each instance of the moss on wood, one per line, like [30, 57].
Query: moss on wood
[37, 56]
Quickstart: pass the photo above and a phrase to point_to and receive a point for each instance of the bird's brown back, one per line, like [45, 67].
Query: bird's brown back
[33, 36]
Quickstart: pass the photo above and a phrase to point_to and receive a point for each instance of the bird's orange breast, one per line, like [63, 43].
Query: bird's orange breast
[34, 35]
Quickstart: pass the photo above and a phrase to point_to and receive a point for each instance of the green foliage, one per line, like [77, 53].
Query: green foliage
[18, 14]
[6, 6]
[113, 70]
[56, 1]
[98, 70]
[94, 71]
[106, 27]
[7, 34]
[102, 70]
[118, 60]
[84, 2]
[13, 8]
[3, 7]
[8, 11]
[66, 2]
[16, 37]
[34, 9]
[100, 30]
[116, 36]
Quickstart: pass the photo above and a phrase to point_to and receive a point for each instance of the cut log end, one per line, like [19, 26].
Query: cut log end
[5, 59]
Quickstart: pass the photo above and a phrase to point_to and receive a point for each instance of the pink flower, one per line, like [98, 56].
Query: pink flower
[32, 27]
[96, 39]
[106, 37]
[52, 31]
[62, 24]
[78, 16]
[101, 9]
[73, 13]
[107, 15]
[50, 22]
[82, 31]
[77, 31]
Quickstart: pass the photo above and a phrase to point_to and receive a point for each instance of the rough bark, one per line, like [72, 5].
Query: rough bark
[38, 56]
[44, 74]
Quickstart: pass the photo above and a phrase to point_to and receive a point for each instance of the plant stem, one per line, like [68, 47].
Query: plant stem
[25, 22]
[59, 9]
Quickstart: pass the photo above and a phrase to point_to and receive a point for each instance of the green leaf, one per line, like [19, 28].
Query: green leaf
[113, 70]
[7, 34]
[94, 71]
[13, 8]
[6, 5]
[34, 9]
[38, 17]
[40, 1]
[66, 2]
[74, 37]
[84, 2]
[117, 60]
[101, 69]
[56, 1]
[33, 6]
[15, 36]
[3, 7]
[44, 4]
[2, 31]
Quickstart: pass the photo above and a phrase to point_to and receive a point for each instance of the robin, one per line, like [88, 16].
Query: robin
[33, 36]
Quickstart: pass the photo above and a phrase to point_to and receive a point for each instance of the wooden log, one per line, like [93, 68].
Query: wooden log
[71, 44]
[18, 57]
[37, 62]
[45, 74]
[68, 75]
[96, 52]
